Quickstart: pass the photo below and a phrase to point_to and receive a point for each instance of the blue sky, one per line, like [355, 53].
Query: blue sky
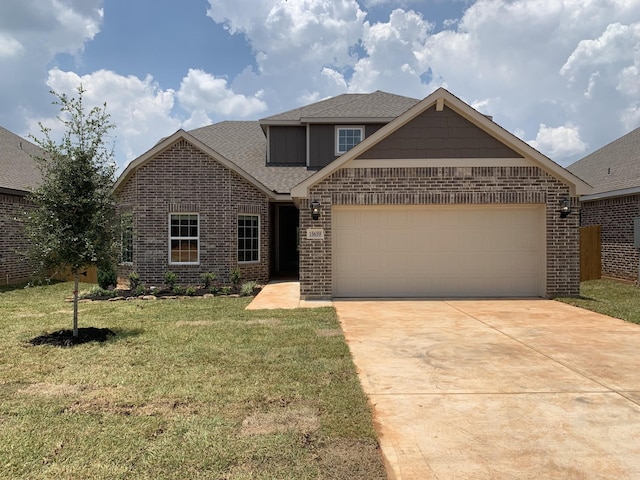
[563, 75]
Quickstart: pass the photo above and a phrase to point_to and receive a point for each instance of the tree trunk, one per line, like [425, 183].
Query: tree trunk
[76, 279]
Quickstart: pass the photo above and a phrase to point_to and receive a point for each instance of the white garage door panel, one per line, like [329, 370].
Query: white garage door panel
[438, 251]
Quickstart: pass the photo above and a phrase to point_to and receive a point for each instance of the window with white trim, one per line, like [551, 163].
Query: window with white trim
[248, 238]
[184, 239]
[347, 138]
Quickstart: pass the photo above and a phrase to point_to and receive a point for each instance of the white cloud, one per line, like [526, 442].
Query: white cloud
[559, 141]
[140, 110]
[617, 44]
[32, 32]
[202, 91]
[9, 46]
[392, 63]
[294, 41]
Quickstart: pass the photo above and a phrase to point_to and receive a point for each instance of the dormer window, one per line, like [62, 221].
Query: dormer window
[348, 137]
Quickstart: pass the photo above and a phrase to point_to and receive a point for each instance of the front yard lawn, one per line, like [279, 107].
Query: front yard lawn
[613, 298]
[188, 389]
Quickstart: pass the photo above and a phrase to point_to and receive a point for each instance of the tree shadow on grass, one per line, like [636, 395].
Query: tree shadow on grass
[65, 338]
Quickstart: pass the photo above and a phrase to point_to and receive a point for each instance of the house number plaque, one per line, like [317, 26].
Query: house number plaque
[315, 233]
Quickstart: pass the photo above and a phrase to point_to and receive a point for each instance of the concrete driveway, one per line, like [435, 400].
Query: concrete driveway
[498, 389]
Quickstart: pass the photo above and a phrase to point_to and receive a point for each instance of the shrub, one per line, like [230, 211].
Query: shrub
[170, 279]
[178, 290]
[235, 277]
[134, 280]
[247, 288]
[207, 279]
[139, 290]
[99, 292]
[190, 291]
[225, 290]
[107, 277]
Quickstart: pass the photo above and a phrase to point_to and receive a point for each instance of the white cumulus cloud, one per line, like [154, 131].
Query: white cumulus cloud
[139, 109]
[202, 91]
[559, 141]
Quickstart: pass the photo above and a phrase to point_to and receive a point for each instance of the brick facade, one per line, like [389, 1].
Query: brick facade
[183, 179]
[441, 186]
[13, 266]
[615, 215]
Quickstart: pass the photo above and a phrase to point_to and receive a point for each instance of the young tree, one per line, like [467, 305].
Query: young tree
[73, 223]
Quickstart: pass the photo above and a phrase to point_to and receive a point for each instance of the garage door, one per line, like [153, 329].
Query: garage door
[438, 251]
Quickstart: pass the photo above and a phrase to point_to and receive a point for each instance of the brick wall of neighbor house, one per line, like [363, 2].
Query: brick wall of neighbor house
[441, 186]
[13, 267]
[619, 257]
[182, 179]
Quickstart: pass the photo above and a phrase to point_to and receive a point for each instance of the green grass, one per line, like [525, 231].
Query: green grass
[189, 389]
[613, 298]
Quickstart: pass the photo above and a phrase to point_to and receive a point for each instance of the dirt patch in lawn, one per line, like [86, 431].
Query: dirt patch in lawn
[343, 459]
[265, 321]
[65, 338]
[52, 389]
[301, 419]
[198, 323]
[94, 404]
[329, 332]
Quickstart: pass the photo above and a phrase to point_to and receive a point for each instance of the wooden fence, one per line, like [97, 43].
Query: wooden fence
[590, 251]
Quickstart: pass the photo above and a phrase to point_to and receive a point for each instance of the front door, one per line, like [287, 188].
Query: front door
[286, 251]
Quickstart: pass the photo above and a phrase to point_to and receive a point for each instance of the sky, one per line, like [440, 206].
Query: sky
[562, 75]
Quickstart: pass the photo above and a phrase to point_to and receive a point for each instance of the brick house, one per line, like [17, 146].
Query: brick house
[18, 176]
[614, 173]
[360, 195]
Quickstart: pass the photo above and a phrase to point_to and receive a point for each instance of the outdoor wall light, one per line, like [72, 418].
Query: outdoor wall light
[315, 210]
[565, 207]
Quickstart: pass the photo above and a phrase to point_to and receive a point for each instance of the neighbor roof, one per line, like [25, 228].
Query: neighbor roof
[614, 167]
[374, 106]
[19, 173]
[244, 144]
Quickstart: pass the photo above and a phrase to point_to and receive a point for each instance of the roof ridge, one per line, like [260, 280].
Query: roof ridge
[349, 100]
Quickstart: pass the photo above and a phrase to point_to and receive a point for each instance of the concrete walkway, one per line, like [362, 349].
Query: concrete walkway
[498, 389]
[283, 294]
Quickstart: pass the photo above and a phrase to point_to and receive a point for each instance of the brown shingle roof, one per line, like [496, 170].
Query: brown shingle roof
[376, 105]
[244, 144]
[18, 170]
[615, 166]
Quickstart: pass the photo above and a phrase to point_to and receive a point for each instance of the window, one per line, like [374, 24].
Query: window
[248, 238]
[126, 238]
[184, 244]
[347, 138]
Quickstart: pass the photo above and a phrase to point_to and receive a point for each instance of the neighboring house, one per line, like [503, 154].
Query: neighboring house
[18, 176]
[360, 195]
[614, 173]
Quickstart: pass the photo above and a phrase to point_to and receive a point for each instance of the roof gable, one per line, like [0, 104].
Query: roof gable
[440, 99]
[182, 135]
[616, 166]
[18, 170]
[439, 134]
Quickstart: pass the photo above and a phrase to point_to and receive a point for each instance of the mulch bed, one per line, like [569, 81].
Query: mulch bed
[65, 338]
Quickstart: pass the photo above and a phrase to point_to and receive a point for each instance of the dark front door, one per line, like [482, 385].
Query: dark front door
[287, 222]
